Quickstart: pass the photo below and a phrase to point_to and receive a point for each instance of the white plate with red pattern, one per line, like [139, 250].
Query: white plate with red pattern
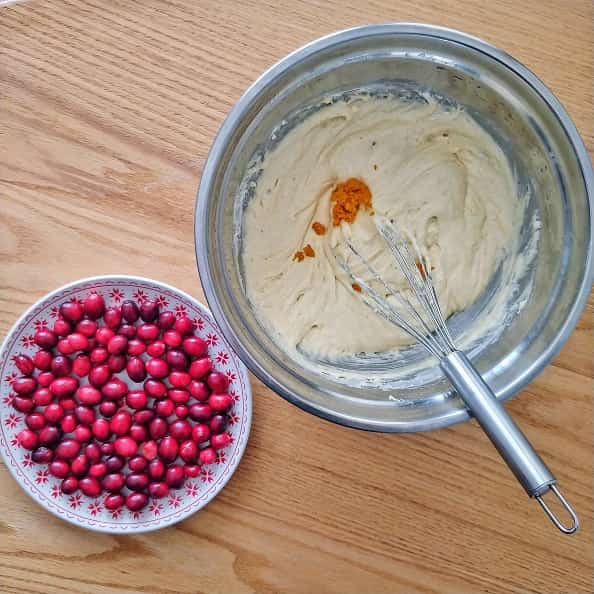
[89, 512]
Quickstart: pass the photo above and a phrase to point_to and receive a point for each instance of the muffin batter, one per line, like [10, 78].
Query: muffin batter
[434, 171]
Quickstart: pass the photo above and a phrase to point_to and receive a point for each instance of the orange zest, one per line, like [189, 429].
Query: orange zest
[318, 228]
[309, 251]
[347, 198]
[299, 256]
[356, 287]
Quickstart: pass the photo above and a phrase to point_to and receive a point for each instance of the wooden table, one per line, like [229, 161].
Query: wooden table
[107, 111]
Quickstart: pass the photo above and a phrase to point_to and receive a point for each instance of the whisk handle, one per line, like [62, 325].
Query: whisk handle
[532, 473]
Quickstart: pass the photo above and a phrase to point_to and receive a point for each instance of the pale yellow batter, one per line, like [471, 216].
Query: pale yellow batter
[435, 172]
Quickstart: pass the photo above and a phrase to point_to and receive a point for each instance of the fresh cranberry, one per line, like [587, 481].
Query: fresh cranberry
[62, 327]
[149, 449]
[120, 423]
[136, 501]
[200, 412]
[149, 310]
[93, 452]
[143, 417]
[64, 386]
[117, 345]
[136, 369]
[94, 306]
[217, 382]
[35, 421]
[28, 439]
[80, 465]
[125, 446]
[174, 476]
[42, 397]
[137, 482]
[45, 338]
[188, 451]
[114, 389]
[168, 449]
[81, 365]
[98, 469]
[44, 379]
[71, 311]
[53, 412]
[67, 449]
[128, 331]
[164, 408]
[24, 364]
[42, 360]
[78, 342]
[180, 429]
[116, 363]
[69, 485]
[137, 464]
[87, 328]
[130, 311]
[172, 338]
[59, 468]
[192, 470]
[158, 428]
[177, 359]
[61, 366]
[84, 414]
[113, 502]
[113, 482]
[99, 355]
[64, 347]
[207, 456]
[200, 433]
[42, 455]
[138, 433]
[99, 375]
[148, 332]
[136, 347]
[107, 448]
[220, 440]
[26, 385]
[157, 368]
[218, 423]
[184, 325]
[82, 433]
[90, 486]
[156, 348]
[181, 411]
[220, 402]
[68, 423]
[179, 379]
[108, 408]
[88, 395]
[199, 390]
[23, 404]
[101, 429]
[200, 368]
[179, 396]
[195, 347]
[156, 469]
[158, 490]
[112, 317]
[104, 335]
[166, 320]
[155, 388]
[114, 463]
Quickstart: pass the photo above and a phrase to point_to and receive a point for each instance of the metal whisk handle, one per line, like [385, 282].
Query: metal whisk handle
[532, 473]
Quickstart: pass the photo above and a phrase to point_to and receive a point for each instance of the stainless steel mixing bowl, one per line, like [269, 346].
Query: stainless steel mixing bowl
[545, 150]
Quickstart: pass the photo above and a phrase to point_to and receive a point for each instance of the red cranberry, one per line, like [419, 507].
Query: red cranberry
[136, 399]
[104, 335]
[117, 345]
[114, 482]
[199, 390]
[179, 396]
[217, 382]
[130, 311]
[143, 417]
[156, 469]
[125, 446]
[179, 379]
[35, 421]
[188, 451]
[155, 388]
[98, 469]
[61, 366]
[69, 485]
[53, 412]
[112, 317]
[42, 360]
[158, 490]
[218, 423]
[127, 331]
[195, 347]
[71, 311]
[136, 347]
[68, 423]
[81, 365]
[42, 455]
[166, 320]
[101, 429]
[149, 310]
[99, 355]
[172, 338]
[200, 368]
[78, 342]
[220, 440]
[180, 429]
[62, 327]
[85, 415]
[184, 325]
[107, 448]
[64, 347]
[220, 402]
[88, 395]
[192, 470]
[99, 375]
[201, 433]
[136, 501]
[113, 502]
[114, 389]
[200, 412]
[67, 449]
[93, 452]
[87, 328]
[164, 408]
[137, 482]
[157, 368]
[156, 348]
[138, 433]
[114, 464]
[90, 486]
[181, 411]
[120, 423]
[136, 370]
[45, 338]
[174, 476]
[148, 332]
[158, 428]
[93, 306]
[137, 464]
[23, 404]
[26, 385]
[59, 468]
[44, 379]
[177, 359]
[64, 386]
[28, 439]
[24, 364]
[168, 449]
[108, 408]
[207, 456]
[116, 363]
[68, 404]
[92, 344]
[42, 397]
[149, 449]
[80, 465]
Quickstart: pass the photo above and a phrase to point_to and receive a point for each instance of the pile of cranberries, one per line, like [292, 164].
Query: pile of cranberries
[93, 431]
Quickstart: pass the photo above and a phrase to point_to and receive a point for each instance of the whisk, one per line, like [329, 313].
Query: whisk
[422, 318]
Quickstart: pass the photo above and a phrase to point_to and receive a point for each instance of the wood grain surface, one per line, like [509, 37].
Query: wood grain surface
[107, 111]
